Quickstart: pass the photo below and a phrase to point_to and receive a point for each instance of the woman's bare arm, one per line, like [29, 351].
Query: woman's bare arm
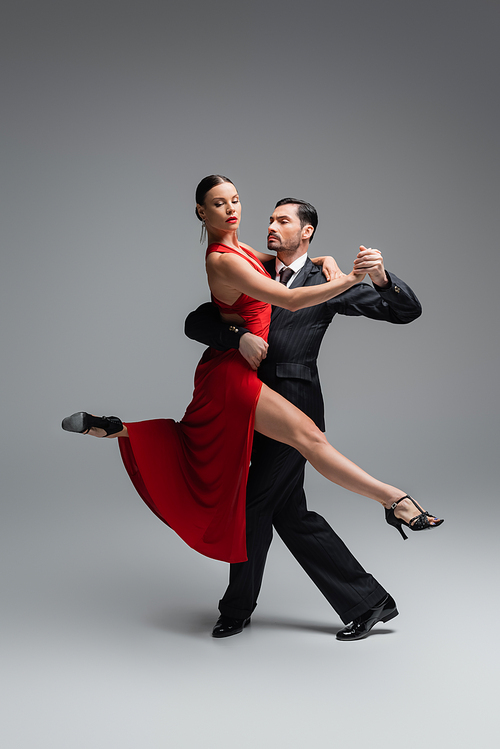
[230, 275]
[328, 263]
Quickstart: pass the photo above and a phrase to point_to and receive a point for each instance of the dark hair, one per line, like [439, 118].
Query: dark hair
[307, 212]
[205, 186]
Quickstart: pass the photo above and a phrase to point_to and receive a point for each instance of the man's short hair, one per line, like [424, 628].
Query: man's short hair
[307, 212]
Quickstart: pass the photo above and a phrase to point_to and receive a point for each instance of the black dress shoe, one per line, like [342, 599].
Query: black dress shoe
[384, 611]
[226, 626]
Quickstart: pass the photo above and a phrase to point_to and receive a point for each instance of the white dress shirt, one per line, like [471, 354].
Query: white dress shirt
[296, 266]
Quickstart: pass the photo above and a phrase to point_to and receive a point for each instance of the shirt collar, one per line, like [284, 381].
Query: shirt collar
[297, 264]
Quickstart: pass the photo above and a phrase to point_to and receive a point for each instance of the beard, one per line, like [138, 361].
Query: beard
[288, 245]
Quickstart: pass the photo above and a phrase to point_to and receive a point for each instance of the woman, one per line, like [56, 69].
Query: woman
[193, 473]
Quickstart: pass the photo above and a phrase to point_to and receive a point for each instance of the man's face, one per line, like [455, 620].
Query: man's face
[284, 231]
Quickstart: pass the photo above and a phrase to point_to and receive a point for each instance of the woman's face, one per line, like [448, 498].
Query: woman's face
[222, 209]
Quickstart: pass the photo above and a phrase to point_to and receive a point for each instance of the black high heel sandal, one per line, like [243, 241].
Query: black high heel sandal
[418, 523]
[82, 422]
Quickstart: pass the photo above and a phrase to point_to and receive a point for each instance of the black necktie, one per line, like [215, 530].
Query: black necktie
[285, 274]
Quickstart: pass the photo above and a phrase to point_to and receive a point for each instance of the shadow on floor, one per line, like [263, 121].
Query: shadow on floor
[196, 623]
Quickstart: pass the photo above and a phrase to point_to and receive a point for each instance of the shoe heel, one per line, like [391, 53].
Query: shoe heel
[391, 519]
[400, 529]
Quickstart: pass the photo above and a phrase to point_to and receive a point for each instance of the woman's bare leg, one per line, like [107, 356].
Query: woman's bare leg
[94, 432]
[277, 418]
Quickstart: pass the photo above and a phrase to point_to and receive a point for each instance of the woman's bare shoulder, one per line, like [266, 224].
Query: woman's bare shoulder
[262, 256]
[221, 260]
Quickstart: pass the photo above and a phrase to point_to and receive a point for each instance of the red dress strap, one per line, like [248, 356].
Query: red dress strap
[245, 254]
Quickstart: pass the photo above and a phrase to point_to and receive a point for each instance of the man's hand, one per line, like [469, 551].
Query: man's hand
[253, 348]
[370, 261]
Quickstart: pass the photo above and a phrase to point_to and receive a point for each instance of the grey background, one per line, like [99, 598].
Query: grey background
[385, 116]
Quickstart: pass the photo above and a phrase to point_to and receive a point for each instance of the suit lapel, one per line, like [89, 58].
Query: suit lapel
[304, 272]
[299, 280]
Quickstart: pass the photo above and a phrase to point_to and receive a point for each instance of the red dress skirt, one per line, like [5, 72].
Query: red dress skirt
[192, 474]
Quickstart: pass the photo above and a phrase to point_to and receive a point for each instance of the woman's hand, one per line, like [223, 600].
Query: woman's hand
[330, 268]
[253, 348]
[355, 276]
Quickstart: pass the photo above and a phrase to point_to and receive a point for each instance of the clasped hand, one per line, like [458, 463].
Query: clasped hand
[370, 261]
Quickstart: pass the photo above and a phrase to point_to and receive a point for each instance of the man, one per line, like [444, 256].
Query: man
[275, 492]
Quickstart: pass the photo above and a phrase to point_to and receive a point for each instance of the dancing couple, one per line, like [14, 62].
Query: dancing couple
[193, 473]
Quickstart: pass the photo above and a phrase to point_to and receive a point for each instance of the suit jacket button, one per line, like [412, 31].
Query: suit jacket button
[397, 289]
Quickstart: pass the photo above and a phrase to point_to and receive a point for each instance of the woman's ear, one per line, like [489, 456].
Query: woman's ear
[201, 211]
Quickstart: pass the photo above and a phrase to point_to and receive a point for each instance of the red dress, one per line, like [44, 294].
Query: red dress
[192, 474]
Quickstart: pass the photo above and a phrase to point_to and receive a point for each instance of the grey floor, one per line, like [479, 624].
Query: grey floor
[107, 618]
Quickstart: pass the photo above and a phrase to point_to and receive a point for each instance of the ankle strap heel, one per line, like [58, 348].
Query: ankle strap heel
[420, 522]
[81, 422]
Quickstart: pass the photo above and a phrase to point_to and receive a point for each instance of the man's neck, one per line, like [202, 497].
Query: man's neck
[288, 257]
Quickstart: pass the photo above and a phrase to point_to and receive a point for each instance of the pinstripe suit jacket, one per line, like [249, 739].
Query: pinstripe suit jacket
[295, 338]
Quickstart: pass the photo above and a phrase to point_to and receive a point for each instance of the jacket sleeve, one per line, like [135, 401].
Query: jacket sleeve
[205, 325]
[396, 303]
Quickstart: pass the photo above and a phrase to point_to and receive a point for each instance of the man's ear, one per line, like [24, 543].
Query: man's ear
[307, 231]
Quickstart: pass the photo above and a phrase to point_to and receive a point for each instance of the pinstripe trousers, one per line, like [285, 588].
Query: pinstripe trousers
[276, 499]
